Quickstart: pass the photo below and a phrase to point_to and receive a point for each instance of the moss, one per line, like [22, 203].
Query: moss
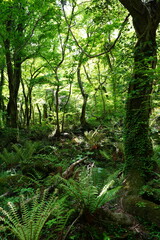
[134, 182]
[142, 208]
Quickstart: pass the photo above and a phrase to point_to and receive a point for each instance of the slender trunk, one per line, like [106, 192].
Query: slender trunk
[30, 88]
[2, 108]
[83, 121]
[58, 130]
[28, 105]
[45, 111]
[40, 114]
[102, 90]
[33, 115]
[114, 82]
[65, 106]
[1, 90]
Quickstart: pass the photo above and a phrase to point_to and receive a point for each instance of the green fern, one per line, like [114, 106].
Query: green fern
[93, 137]
[8, 158]
[29, 224]
[20, 154]
[25, 153]
[87, 195]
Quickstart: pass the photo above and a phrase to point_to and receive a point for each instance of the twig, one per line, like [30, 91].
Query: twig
[107, 50]
[70, 169]
[69, 228]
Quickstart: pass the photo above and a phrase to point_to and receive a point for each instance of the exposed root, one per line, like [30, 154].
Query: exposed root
[142, 208]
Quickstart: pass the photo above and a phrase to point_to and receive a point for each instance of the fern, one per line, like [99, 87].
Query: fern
[29, 224]
[20, 154]
[86, 194]
[25, 154]
[93, 137]
[9, 158]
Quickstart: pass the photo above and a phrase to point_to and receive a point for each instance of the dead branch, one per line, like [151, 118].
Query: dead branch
[69, 171]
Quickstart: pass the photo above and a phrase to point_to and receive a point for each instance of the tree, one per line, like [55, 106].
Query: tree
[138, 146]
[28, 81]
[13, 62]
[18, 25]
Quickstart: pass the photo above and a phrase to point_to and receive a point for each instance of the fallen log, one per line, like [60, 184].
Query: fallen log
[69, 171]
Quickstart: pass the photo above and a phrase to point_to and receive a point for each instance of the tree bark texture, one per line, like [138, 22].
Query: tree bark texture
[1, 89]
[83, 121]
[138, 147]
[13, 62]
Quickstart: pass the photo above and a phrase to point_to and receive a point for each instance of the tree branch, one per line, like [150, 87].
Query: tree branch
[99, 54]
[135, 7]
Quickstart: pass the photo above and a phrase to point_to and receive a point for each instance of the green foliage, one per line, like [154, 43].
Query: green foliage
[93, 138]
[86, 194]
[156, 156]
[26, 153]
[151, 190]
[28, 224]
[8, 136]
[9, 158]
[39, 132]
[19, 153]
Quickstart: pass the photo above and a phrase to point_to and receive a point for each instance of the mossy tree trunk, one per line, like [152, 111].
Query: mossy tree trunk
[138, 146]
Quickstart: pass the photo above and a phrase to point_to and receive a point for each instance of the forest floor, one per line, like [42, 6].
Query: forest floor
[36, 159]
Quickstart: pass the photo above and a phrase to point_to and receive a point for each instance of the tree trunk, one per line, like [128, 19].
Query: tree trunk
[39, 113]
[45, 111]
[139, 166]
[14, 75]
[2, 108]
[28, 103]
[65, 106]
[138, 146]
[58, 130]
[14, 82]
[1, 90]
[83, 121]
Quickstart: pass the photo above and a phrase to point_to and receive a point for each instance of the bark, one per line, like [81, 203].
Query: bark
[39, 113]
[102, 89]
[14, 75]
[1, 90]
[58, 130]
[45, 111]
[28, 103]
[140, 167]
[83, 121]
[138, 146]
[65, 106]
[2, 106]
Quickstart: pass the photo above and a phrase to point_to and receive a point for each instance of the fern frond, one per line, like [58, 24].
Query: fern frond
[86, 194]
[93, 137]
[106, 194]
[25, 211]
[25, 154]
[33, 217]
[14, 213]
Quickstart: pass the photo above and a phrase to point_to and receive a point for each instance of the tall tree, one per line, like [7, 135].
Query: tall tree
[138, 147]
[13, 61]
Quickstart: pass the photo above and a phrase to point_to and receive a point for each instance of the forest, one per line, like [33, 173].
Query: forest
[79, 120]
